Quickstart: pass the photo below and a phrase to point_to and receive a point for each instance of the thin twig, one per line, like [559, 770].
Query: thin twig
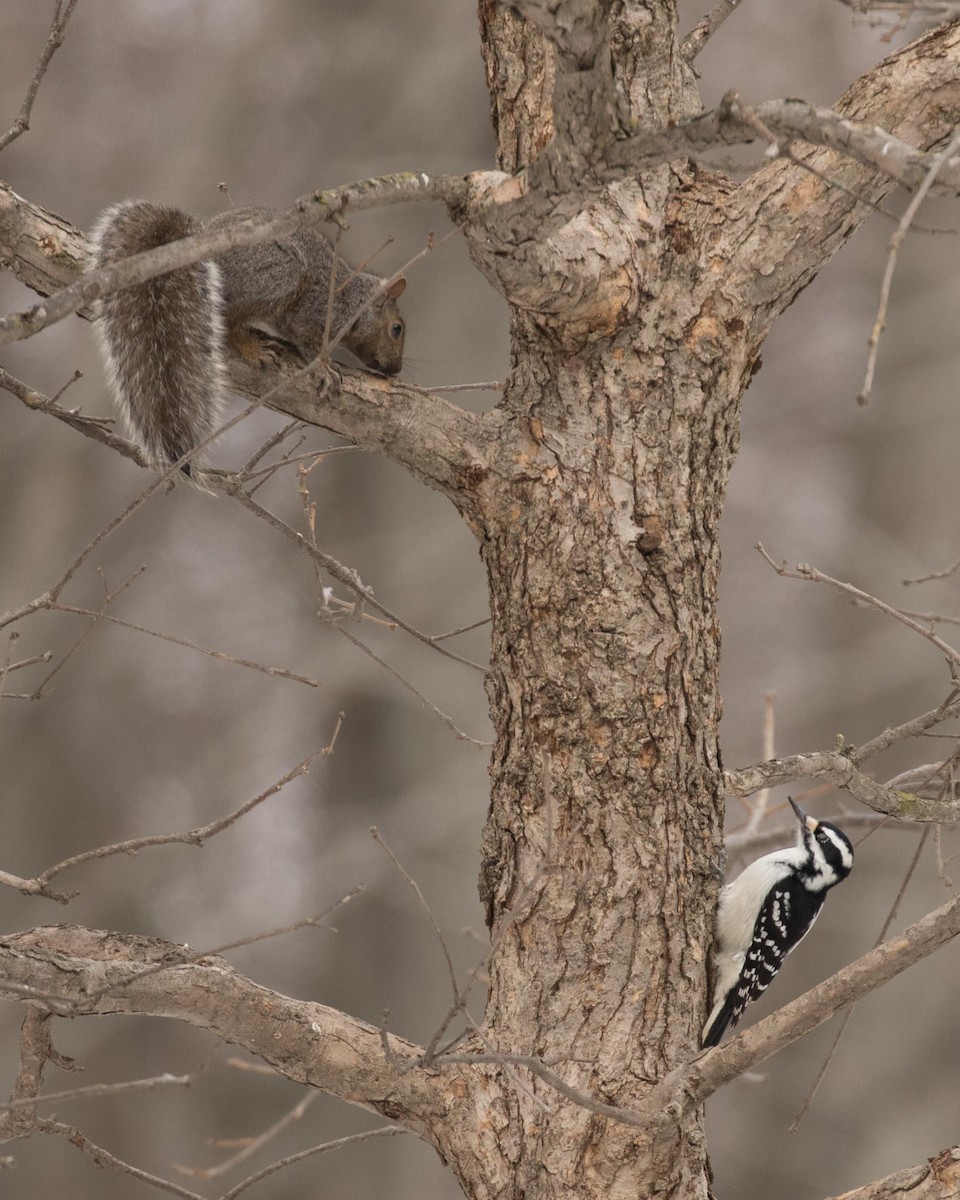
[88, 1002]
[812, 575]
[61, 16]
[760, 805]
[493, 385]
[270, 444]
[252, 1145]
[108, 598]
[94, 1090]
[103, 1158]
[91, 427]
[896, 241]
[944, 574]
[432, 244]
[437, 712]
[345, 575]
[310, 516]
[442, 637]
[338, 1144]
[48, 598]
[421, 900]
[39, 885]
[274, 672]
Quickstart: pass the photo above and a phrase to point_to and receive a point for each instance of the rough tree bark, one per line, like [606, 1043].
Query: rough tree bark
[638, 307]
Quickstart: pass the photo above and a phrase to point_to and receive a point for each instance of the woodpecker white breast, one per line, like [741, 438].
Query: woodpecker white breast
[767, 910]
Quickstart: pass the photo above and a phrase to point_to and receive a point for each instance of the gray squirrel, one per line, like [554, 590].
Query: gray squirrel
[164, 341]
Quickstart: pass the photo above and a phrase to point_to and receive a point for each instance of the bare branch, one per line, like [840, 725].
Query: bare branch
[936, 10]
[735, 123]
[274, 672]
[351, 1140]
[896, 241]
[36, 1050]
[49, 597]
[811, 575]
[897, 798]
[307, 1042]
[404, 682]
[422, 901]
[61, 15]
[440, 443]
[184, 956]
[95, 1090]
[345, 575]
[936, 1179]
[103, 1158]
[91, 427]
[39, 885]
[250, 1146]
[704, 29]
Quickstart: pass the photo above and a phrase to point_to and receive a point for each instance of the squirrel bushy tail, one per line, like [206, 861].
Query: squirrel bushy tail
[164, 341]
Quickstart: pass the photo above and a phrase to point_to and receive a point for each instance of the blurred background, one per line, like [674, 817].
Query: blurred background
[167, 99]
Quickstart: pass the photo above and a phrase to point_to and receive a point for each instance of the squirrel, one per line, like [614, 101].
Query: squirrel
[164, 341]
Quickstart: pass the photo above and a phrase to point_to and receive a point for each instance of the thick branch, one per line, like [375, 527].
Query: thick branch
[768, 240]
[439, 442]
[309, 1043]
[936, 1179]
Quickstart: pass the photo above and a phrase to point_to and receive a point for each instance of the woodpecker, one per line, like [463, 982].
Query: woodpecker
[767, 911]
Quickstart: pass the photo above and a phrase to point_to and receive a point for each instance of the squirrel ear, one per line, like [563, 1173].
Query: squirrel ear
[395, 288]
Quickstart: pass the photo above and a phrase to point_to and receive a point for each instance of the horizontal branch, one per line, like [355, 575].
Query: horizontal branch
[921, 794]
[100, 973]
[689, 1085]
[733, 123]
[837, 767]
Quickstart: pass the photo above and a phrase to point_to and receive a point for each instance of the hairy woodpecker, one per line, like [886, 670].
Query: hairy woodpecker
[767, 910]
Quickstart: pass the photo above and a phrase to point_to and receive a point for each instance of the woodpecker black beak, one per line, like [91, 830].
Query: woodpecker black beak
[810, 822]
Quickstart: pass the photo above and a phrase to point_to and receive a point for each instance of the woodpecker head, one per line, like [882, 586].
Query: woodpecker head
[828, 853]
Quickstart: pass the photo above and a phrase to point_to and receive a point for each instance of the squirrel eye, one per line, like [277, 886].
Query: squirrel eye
[396, 329]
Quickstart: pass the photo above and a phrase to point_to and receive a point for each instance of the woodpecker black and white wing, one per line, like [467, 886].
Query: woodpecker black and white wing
[785, 918]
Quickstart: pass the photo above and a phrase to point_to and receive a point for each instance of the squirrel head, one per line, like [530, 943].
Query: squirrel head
[377, 337]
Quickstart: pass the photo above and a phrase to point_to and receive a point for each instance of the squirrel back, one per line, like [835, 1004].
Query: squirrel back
[257, 289]
[164, 340]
